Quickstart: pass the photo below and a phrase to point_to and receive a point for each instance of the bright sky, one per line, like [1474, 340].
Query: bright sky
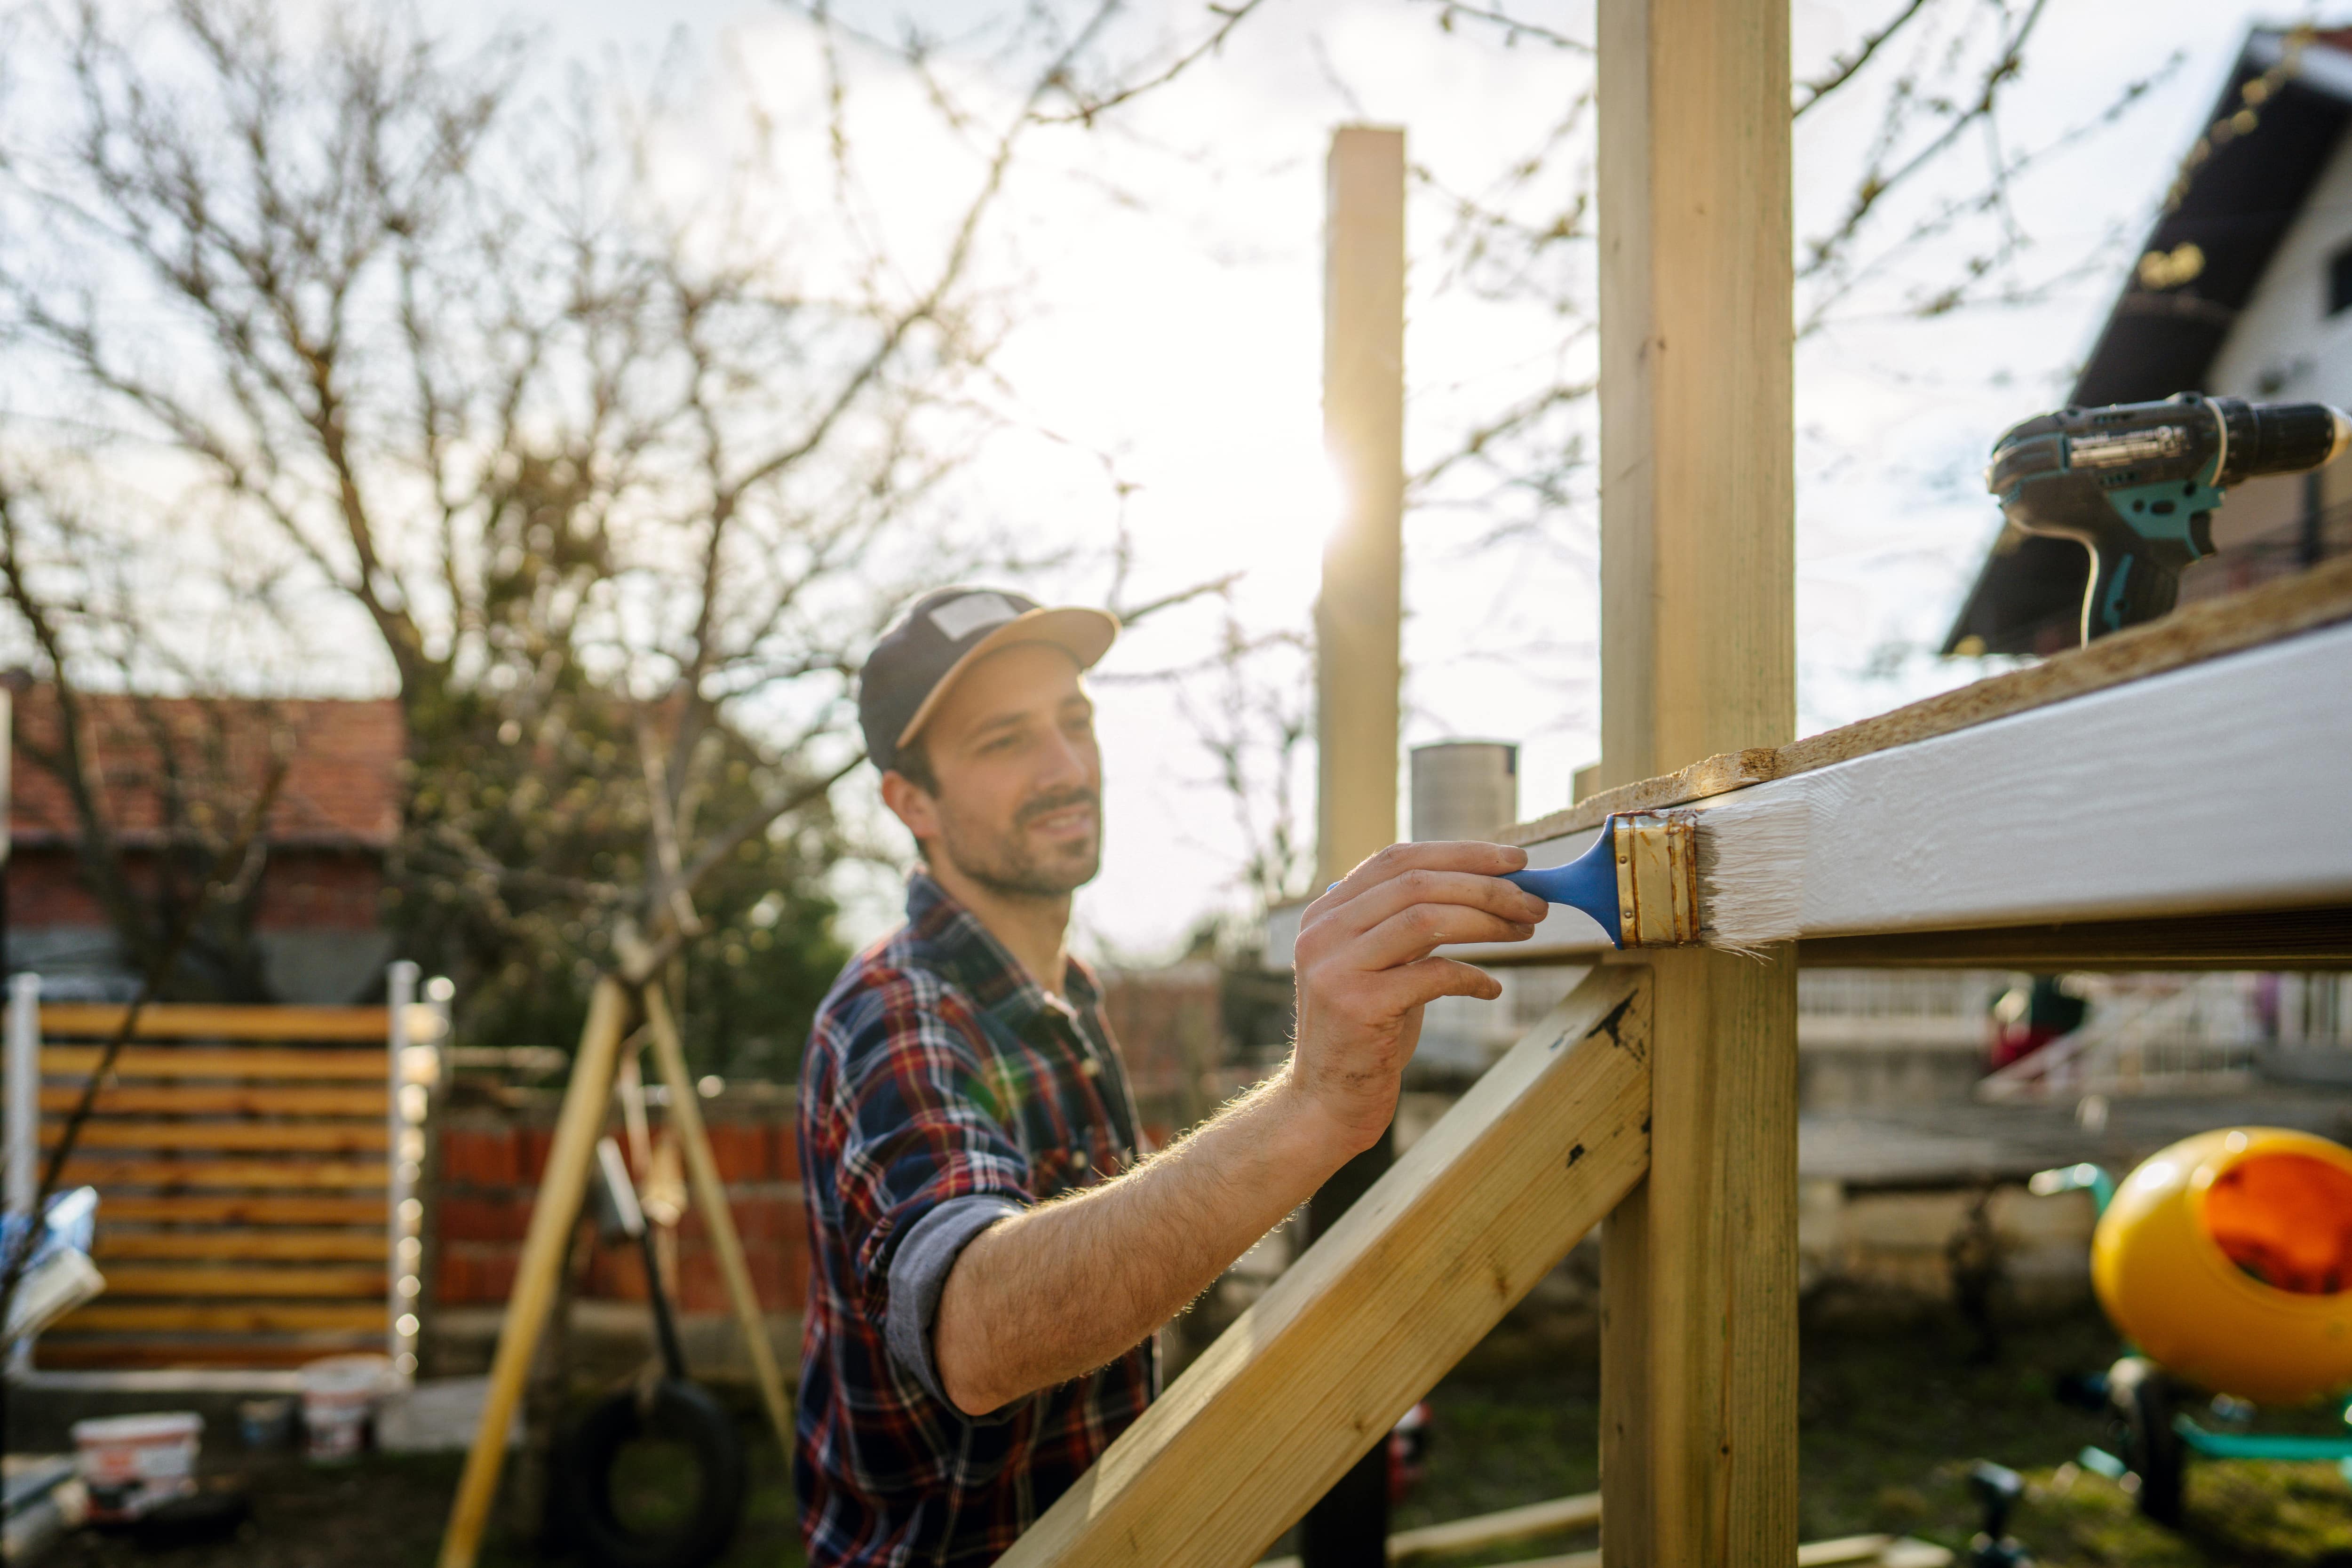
[1165, 274]
[1172, 317]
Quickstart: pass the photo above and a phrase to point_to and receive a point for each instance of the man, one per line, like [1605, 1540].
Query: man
[992, 1251]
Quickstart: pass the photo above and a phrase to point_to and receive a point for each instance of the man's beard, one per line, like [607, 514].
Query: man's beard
[1006, 864]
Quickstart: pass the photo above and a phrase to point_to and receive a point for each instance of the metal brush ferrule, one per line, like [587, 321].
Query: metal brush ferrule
[1657, 878]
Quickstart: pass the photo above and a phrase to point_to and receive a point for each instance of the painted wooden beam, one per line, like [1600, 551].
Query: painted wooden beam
[1370, 1317]
[2213, 628]
[2209, 789]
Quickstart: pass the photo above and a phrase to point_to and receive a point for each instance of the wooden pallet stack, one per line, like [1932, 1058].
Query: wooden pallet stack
[243, 1161]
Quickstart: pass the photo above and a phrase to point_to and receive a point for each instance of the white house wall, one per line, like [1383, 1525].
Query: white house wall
[2286, 346]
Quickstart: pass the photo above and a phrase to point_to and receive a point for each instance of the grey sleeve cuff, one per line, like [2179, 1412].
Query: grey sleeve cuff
[918, 1274]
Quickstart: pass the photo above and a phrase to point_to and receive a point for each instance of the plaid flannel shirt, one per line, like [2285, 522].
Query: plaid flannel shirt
[943, 1088]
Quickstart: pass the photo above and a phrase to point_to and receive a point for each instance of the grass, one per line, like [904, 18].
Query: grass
[1889, 1423]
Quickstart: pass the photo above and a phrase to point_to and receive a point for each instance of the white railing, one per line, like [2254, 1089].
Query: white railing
[2175, 1035]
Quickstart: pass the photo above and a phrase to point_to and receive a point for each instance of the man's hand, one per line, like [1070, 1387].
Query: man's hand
[1365, 971]
[1048, 1294]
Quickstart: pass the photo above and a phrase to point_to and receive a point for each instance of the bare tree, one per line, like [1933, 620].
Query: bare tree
[1927, 227]
[156, 789]
[616, 456]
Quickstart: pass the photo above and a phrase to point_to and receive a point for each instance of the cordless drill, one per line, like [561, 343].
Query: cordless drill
[2137, 484]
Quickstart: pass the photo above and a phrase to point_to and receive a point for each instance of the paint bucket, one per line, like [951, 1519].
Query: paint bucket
[134, 1463]
[339, 1392]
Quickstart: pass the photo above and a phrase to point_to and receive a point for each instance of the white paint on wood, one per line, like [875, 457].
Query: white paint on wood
[2218, 787]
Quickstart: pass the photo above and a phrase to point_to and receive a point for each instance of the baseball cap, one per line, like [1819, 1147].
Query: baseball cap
[946, 633]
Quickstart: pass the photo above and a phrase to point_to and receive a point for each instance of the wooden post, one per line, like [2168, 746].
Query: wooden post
[1356, 650]
[1356, 614]
[557, 1210]
[711, 1191]
[1698, 1264]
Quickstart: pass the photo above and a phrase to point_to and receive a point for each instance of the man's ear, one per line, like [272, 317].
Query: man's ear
[912, 805]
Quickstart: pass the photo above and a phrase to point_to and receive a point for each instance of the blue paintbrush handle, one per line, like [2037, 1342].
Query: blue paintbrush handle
[1589, 883]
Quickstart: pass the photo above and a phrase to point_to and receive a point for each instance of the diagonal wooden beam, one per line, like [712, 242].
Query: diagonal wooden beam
[718, 1219]
[553, 1213]
[1412, 1279]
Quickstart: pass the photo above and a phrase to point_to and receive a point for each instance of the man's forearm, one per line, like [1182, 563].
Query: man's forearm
[1048, 1295]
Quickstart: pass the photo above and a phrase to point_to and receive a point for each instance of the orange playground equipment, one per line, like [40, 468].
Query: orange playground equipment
[2226, 1259]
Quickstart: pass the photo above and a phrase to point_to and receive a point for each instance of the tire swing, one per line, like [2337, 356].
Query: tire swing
[671, 1412]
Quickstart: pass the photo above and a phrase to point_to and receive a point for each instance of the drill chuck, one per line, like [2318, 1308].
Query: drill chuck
[2278, 437]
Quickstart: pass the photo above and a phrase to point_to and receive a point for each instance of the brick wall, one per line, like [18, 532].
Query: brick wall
[301, 889]
[489, 1164]
[1170, 1031]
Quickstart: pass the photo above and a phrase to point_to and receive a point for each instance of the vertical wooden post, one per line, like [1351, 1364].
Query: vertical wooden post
[1698, 1264]
[1356, 659]
[1356, 652]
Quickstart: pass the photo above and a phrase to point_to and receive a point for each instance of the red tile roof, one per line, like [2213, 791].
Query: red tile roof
[342, 786]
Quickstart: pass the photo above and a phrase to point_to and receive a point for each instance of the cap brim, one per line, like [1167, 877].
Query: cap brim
[1085, 635]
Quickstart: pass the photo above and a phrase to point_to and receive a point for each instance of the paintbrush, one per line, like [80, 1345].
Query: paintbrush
[1722, 875]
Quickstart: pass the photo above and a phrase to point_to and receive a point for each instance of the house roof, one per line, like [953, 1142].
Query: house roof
[341, 787]
[2240, 188]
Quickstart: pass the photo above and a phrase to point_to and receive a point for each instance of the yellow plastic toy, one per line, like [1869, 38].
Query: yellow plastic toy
[2228, 1259]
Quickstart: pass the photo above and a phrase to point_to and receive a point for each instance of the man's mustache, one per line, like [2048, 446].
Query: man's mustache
[1046, 805]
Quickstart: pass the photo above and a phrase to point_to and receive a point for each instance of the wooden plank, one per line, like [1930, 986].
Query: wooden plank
[240, 1209]
[276, 1064]
[553, 1213]
[1718, 774]
[2313, 939]
[137, 1279]
[115, 1244]
[2212, 629]
[1698, 662]
[1321, 1366]
[170, 1174]
[59, 1351]
[103, 1316]
[206, 1021]
[1812, 1554]
[1582, 1511]
[242, 1137]
[1457, 1537]
[221, 1099]
[2215, 628]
